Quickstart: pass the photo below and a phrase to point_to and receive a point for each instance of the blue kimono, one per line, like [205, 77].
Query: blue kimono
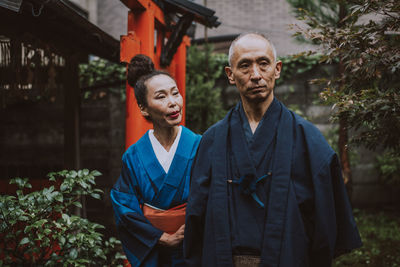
[143, 180]
[277, 194]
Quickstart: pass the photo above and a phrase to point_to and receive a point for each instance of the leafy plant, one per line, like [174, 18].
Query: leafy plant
[293, 65]
[100, 77]
[366, 93]
[40, 229]
[204, 105]
[380, 232]
[389, 167]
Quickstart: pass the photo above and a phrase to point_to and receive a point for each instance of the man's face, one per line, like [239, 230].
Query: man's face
[253, 69]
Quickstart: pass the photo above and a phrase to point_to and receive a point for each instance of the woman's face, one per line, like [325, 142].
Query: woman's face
[164, 102]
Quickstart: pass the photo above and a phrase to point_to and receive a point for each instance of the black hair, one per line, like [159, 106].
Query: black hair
[140, 69]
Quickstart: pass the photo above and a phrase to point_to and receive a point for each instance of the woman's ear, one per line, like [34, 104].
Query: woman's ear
[144, 111]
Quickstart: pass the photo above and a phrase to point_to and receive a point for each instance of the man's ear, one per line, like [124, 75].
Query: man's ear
[144, 111]
[278, 68]
[229, 74]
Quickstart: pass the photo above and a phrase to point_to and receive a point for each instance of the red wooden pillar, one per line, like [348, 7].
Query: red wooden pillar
[179, 61]
[142, 24]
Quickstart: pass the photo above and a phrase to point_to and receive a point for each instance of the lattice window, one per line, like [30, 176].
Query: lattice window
[29, 71]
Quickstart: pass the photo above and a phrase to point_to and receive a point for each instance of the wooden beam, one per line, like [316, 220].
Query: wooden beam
[141, 5]
[174, 41]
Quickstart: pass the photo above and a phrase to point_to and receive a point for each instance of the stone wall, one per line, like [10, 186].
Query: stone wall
[270, 17]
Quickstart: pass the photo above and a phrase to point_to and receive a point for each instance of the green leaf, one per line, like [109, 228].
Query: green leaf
[77, 204]
[73, 174]
[59, 198]
[73, 254]
[24, 241]
[96, 173]
[96, 196]
[64, 187]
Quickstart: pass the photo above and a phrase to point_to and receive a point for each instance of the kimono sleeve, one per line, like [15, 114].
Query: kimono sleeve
[137, 235]
[197, 203]
[335, 230]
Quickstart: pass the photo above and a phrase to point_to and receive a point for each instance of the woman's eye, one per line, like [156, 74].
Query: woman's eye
[160, 96]
[175, 93]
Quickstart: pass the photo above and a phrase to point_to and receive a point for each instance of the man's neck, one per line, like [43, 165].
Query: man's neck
[255, 111]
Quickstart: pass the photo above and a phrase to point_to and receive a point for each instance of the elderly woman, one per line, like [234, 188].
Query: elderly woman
[149, 198]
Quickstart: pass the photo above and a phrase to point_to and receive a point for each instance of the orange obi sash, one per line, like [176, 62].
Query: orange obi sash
[169, 220]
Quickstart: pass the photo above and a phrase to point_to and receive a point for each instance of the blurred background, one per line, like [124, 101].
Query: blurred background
[341, 62]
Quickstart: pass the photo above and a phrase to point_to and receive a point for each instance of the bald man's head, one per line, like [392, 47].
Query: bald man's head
[249, 35]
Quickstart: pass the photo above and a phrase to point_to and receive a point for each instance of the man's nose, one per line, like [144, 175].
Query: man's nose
[255, 73]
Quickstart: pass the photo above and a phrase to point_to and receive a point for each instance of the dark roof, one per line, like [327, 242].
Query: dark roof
[215, 39]
[13, 5]
[201, 13]
[61, 24]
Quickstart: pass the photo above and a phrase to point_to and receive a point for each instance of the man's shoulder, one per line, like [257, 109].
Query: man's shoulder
[222, 124]
[214, 132]
[305, 124]
[313, 137]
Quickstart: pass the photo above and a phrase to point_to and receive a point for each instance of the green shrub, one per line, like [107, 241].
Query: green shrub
[204, 104]
[380, 233]
[100, 77]
[388, 164]
[40, 229]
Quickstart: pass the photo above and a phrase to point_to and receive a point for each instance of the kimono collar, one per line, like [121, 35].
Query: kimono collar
[270, 116]
[167, 184]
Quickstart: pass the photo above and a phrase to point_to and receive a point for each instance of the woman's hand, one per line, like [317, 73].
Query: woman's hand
[173, 239]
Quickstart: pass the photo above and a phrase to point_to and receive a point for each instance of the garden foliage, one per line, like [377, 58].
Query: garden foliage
[203, 98]
[100, 77]
[380, 233]
[367, 93]
[367, 47]
[40, 229]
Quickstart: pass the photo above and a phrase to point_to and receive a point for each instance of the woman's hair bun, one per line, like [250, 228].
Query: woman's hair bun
[140, 65]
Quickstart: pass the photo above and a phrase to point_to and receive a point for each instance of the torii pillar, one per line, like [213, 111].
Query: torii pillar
[147, 35]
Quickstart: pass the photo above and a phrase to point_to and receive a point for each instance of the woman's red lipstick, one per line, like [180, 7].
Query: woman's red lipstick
[174, 115]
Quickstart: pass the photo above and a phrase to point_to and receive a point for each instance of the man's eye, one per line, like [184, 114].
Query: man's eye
[263, 63]
[244, 66]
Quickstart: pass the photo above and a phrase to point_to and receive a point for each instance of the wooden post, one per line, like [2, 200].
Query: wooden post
[180, 71]
[142, 24]
[71, 114]
[72, 108]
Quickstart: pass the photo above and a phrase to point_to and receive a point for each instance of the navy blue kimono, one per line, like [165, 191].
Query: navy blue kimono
[277, 193]
[143, 180]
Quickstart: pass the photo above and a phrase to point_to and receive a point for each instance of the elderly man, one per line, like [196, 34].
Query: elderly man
[266, 187]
